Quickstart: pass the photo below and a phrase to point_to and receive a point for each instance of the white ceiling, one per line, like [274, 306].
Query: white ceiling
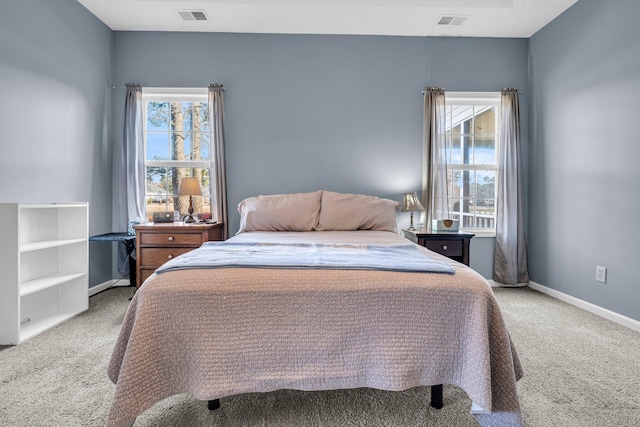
[485, 18]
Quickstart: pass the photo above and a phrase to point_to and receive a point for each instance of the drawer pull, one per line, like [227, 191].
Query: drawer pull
[170, 256]
[170, 238]
[444, 247]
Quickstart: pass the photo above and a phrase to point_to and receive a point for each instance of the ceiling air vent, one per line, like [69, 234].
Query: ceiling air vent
[451, 20]
[192, 15]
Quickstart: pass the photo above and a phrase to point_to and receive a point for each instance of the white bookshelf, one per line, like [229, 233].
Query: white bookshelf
[44, 264]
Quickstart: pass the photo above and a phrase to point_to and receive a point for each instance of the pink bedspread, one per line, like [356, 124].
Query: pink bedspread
[219, 332]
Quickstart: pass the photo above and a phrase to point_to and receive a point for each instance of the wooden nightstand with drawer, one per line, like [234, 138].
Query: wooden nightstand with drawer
[158, 243]
[452, 245]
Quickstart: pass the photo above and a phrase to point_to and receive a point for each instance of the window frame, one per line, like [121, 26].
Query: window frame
[176, 94]
[491, 99]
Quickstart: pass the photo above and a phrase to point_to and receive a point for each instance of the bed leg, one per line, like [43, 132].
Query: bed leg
[436, 396]
[214, 404]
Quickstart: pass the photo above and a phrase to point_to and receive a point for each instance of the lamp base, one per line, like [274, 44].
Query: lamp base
[411, 228]
[189, 219]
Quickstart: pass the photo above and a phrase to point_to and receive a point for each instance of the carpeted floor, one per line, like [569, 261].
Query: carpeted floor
[580, 370]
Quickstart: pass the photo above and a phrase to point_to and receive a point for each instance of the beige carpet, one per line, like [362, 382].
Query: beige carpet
[580, 370]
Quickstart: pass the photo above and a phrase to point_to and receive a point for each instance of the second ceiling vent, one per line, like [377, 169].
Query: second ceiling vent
[192, 15]
[452, 20]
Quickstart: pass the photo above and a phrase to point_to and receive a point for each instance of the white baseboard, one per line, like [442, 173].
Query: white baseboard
[121, 282]
[592, 308]
[108, 284]
[101, 287]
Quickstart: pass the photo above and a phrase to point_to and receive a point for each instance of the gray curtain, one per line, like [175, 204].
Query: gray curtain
[510, 263]
[434, 175]
[132, 203]
[219, 181]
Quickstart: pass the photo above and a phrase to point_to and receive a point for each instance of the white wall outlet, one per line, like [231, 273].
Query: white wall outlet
[601, 274]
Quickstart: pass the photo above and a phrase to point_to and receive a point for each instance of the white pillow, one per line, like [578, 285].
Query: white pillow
[280, 212]
[347, 212]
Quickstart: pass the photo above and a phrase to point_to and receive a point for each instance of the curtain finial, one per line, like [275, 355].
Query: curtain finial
[433, 89]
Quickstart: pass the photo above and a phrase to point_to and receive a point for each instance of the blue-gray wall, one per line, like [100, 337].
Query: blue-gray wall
[584, 197]
[308, 112]
[55, 73]
[343, 113]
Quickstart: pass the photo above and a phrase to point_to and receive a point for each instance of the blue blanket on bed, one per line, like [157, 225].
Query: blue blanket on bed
[405, 258]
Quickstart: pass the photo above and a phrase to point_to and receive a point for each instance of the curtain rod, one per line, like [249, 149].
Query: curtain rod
[190, 87]
[441, 88]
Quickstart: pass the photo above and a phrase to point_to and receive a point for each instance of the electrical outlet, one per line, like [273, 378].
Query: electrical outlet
[601, 274]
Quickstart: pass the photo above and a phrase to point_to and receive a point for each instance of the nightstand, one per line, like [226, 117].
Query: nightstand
[452, 245]
[157, 243]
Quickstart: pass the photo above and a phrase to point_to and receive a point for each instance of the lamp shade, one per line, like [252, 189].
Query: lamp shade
[190, 187]
[411, 203]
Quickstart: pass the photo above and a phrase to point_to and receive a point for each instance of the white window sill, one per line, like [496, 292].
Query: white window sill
[480, 233]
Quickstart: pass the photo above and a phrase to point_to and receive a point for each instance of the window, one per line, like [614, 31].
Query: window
[472, 126]
[177, 144]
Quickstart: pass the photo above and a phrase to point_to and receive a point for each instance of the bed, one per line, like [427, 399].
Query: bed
[225, 329]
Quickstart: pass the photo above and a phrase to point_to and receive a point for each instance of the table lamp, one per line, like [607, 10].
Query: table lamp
[410, 204]
[189, 187]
